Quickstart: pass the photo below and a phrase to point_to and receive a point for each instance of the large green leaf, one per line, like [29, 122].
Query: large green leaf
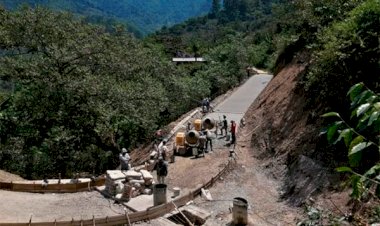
[346, 134]
[374, 117]
[362, 109]
[359, 147]
[331, 114]
[356, 186]
[355, 154]
[372, 171]
[376, 105]
[355, 90]
[331, 131]
[355, 158]
[367, 96]
[343, 169]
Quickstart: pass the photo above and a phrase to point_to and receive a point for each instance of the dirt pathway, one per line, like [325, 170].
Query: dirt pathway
[249, 181]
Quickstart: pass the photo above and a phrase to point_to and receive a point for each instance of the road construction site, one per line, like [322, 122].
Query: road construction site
[226, 176]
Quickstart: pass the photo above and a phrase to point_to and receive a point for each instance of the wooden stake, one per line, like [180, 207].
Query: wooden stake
[183, 215]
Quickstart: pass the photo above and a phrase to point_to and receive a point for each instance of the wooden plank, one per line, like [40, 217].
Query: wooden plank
[195, 214]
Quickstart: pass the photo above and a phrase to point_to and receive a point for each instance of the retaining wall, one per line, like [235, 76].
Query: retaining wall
[38, 186]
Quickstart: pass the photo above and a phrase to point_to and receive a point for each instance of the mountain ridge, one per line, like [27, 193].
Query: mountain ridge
[147, 16]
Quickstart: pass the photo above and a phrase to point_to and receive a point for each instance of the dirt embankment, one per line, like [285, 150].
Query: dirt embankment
[8, 177]
[284, 133]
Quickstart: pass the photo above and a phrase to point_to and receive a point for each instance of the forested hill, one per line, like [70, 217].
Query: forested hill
[142, 16]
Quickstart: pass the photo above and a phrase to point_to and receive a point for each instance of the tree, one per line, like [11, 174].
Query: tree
[348, 53]
[80, 94]
[215, 8]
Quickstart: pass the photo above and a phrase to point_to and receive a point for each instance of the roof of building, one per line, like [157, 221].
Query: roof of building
[188, 59]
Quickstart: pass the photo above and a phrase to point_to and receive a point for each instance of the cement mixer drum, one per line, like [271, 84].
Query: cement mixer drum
[192, 137]
[208, 123]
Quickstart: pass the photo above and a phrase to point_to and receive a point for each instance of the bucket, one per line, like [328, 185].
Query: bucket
[159, 194]
[176, 191]
[240, 211]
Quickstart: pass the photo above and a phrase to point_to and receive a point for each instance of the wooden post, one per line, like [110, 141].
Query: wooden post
[93, 220]
[183, 215]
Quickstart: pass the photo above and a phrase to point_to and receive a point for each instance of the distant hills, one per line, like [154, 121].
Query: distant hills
[144, 16]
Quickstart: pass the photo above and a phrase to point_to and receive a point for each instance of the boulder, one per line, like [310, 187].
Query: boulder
[146, 174]
[115, 174]
[133, 175]
[141, 182]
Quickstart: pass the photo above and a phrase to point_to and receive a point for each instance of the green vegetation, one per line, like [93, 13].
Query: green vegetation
[140, 17]
[348, 53]
[360, 135]
[80, 94]
[73, 94]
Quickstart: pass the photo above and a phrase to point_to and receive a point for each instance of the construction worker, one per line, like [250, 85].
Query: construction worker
[224, 125]
[201, 144]
[163, 150]
[124, 159]
[188, 127]
[208, 140]
[162, 170]
[233, 132]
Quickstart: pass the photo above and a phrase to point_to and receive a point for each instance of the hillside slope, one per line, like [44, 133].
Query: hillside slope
[147, 16]
[284, 135]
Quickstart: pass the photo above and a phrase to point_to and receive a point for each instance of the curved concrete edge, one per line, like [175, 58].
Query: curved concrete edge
[149, 214]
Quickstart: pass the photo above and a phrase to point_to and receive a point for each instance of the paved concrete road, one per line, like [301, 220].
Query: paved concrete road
[235, 106]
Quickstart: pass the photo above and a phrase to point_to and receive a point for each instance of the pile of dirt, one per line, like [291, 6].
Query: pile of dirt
[284, 132]
[8, 177]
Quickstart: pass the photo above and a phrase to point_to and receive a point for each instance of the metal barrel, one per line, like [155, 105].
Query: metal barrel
[159, 194]
[240, 211]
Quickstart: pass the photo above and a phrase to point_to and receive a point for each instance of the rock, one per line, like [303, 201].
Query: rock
[139, 168]
[141, 182]
[206, 194]
[135, 192]
[137, 186]
[119, 196]
[115, 174]
[149, 182]
[146, 175]
[147, 191]
[131, 174]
